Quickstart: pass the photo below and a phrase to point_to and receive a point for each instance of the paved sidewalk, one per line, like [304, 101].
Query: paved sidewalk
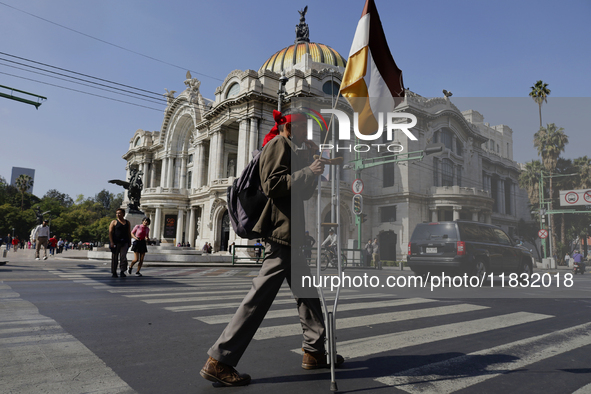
[82, 255]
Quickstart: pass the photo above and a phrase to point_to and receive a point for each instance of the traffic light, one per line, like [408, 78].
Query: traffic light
[357, 204]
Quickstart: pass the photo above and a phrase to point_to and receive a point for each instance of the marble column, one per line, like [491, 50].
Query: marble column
[199, 166]
[434, 215]
[511, 208]
[163, 172]
[158, 223]
[474, 214]
[151, 216]
[243, 144]
[186, 229]
[191, 231]
[170, 175]
[212, 165]
[220, 156]
[183, 180]
[145, 177]
[502, 193]
[153, 174]
[254, 137]
[456, 209]
[180, 225]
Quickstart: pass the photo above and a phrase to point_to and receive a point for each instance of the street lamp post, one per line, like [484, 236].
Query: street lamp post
[281, 92]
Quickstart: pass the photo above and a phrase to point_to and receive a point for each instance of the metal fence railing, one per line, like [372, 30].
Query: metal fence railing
[253, 254]
[354, 257]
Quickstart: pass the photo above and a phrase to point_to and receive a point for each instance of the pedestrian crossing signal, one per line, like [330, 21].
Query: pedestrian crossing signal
[357, 204]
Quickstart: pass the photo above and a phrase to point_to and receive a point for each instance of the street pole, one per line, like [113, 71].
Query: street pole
[281, 92]
[542, 210]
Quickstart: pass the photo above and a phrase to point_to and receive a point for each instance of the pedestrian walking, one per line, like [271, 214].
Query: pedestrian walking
[259, 250]
[119, 239]
[8, 242]
[15, 243]
[140, 234]
[41, 236]
[309, 243]
[377, 263]
[283, 173]
[368, 253]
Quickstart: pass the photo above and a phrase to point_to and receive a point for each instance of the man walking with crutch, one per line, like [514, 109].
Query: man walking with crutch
[287, 181]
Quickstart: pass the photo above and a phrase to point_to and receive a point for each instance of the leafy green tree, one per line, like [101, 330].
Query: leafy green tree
[23, 183]
[99, 230]
[583, 166]
[117, 202]
[539, 93]
[63, 199]
[105, 198]
[12, 217]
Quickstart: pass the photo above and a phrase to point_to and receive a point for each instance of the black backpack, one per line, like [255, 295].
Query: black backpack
[246, 199]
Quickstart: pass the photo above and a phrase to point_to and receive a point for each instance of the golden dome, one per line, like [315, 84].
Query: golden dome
[293, 54]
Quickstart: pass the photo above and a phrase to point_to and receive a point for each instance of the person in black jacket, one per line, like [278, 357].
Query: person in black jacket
[119, 240]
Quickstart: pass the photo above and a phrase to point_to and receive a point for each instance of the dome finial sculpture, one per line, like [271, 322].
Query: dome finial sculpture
[302, 31]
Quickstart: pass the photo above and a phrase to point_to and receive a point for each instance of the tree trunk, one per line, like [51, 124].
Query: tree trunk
[540, 109]
[562, 230]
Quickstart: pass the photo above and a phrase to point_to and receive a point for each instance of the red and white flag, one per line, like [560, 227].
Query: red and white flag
[372, 80]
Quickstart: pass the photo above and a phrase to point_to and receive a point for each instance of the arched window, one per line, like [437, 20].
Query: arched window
[331, 88]
[233, 90]
[137, 142]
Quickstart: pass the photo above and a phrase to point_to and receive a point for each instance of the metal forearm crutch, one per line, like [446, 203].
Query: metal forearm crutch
[329, 317]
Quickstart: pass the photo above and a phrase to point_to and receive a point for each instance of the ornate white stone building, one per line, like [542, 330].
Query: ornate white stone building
[203, 144]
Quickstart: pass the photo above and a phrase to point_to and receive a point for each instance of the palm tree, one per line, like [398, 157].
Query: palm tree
[583, 166]
[23, 183]
[550, 142]
[529, 179]
[539, 93]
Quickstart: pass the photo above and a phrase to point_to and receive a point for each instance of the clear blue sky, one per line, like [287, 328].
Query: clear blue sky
[477, 49]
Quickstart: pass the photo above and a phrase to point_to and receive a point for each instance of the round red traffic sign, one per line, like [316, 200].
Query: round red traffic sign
[587, 196]
[357, 186]
[571, 197]
[543, 233]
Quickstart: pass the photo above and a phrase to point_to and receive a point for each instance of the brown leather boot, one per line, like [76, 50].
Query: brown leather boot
[222, 373]
[319, 360]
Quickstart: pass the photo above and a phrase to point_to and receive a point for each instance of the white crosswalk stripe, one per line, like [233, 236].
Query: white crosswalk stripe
[201, 291]
[382, 343]
[234, 305]
[370, 320]
[442, 377]
[224, 319]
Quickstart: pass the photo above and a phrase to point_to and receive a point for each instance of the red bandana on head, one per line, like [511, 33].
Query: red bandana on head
[279, 120]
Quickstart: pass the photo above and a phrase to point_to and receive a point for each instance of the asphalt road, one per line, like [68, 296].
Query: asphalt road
[66, 326]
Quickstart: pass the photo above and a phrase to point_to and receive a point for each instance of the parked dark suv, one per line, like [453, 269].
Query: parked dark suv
[465, 247]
